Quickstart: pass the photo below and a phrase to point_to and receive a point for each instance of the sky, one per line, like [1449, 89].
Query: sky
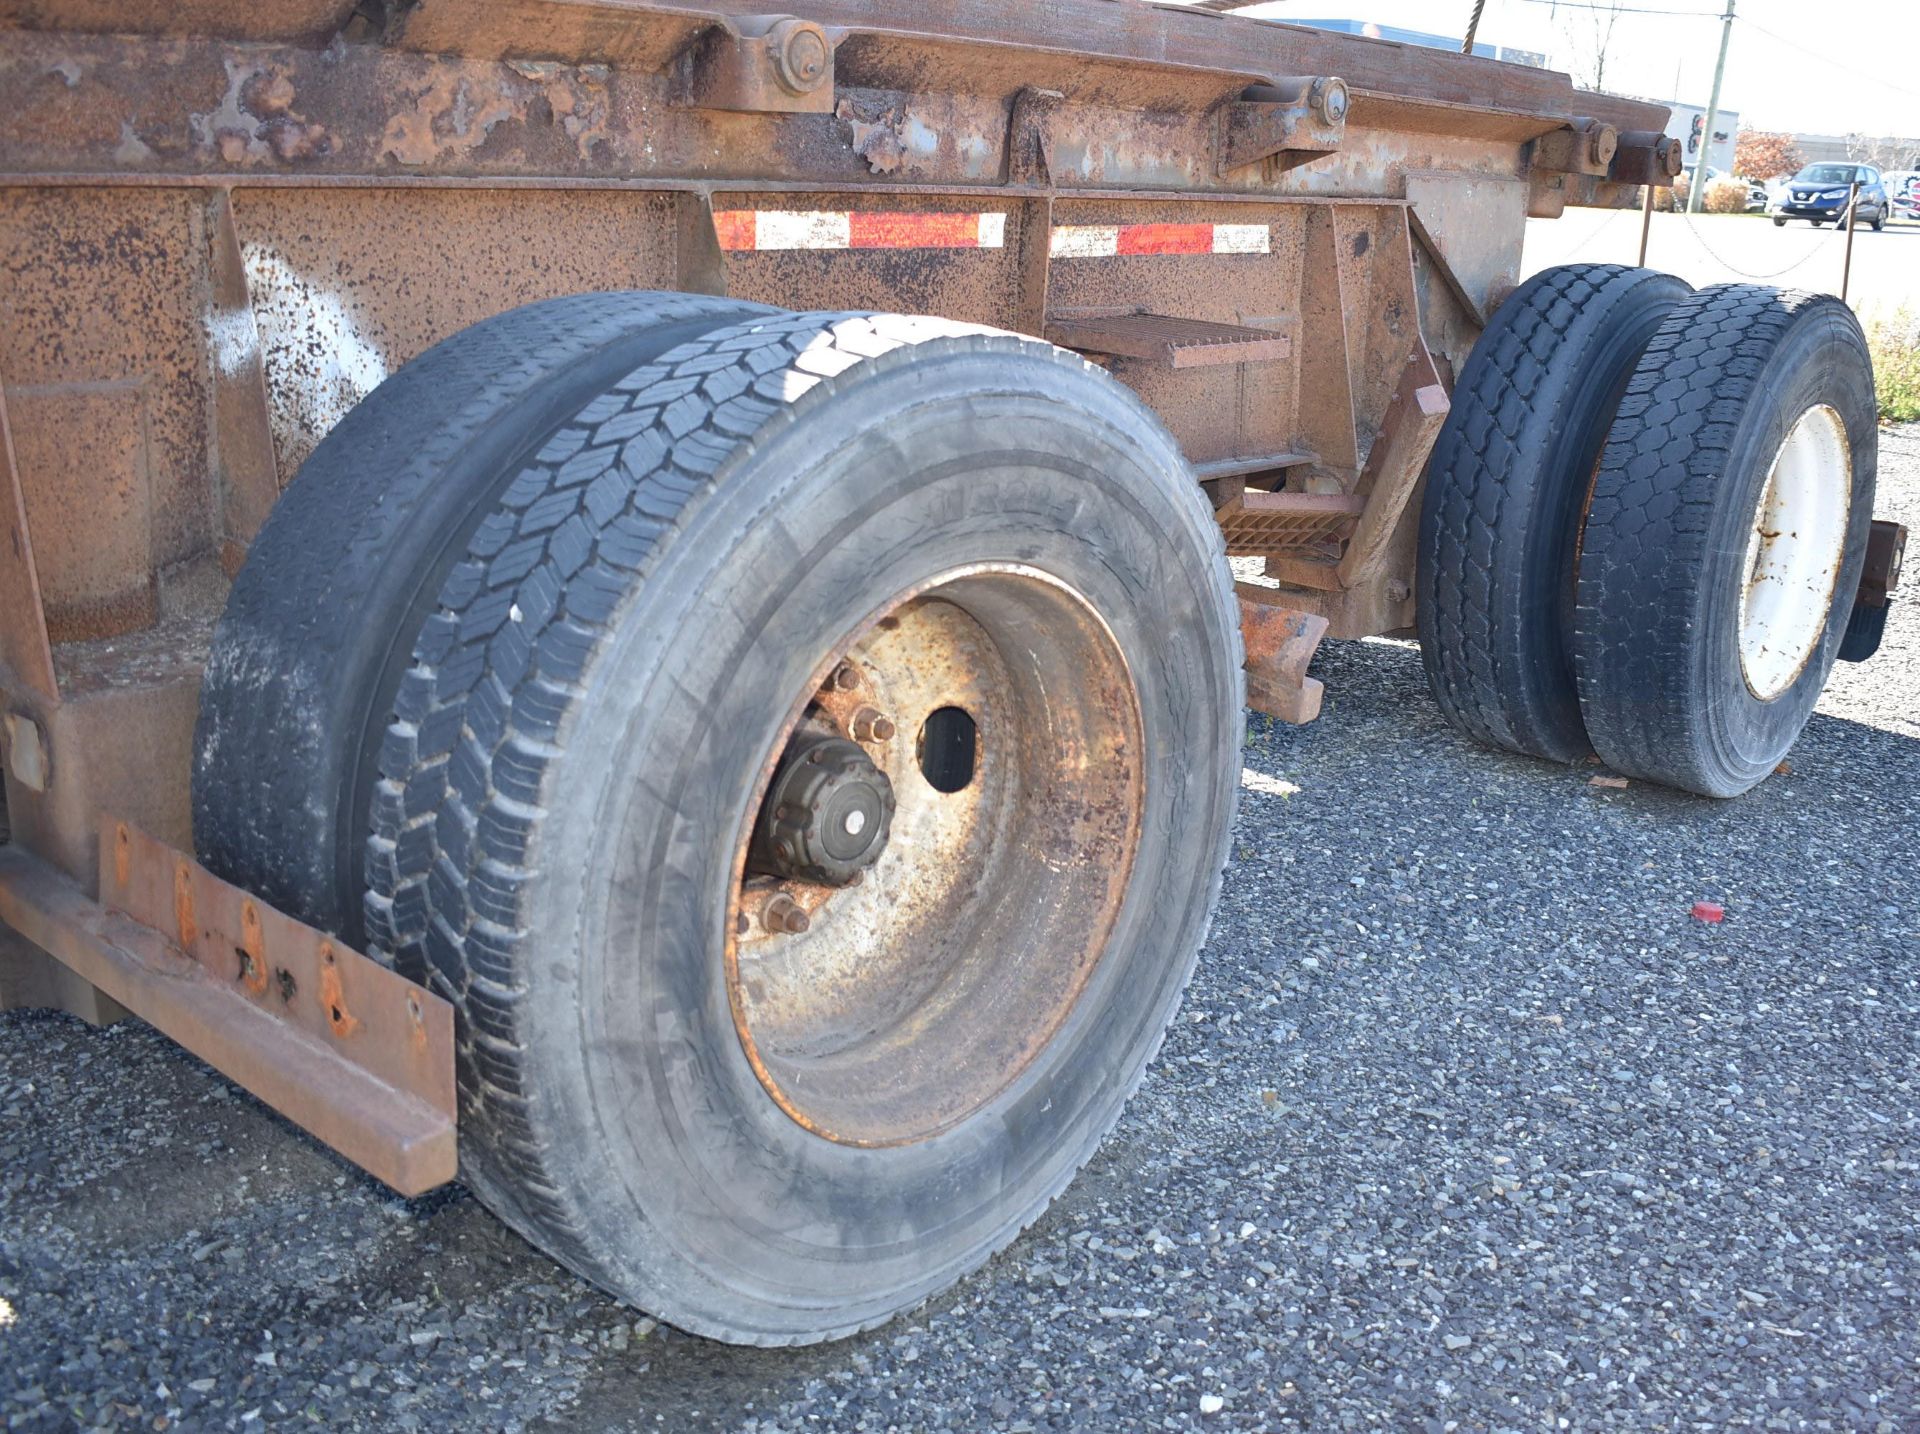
[1807, 66]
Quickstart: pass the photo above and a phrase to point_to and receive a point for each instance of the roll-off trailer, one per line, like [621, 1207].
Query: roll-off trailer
[631, 601]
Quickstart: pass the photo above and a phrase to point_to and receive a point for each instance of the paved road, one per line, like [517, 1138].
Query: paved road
[1732, 248]
[1465, 1124]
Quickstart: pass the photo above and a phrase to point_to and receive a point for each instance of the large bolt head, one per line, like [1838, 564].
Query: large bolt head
[1329, 99]
[801, 55]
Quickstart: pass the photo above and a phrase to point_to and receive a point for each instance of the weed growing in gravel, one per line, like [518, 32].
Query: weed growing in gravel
[1895, 342]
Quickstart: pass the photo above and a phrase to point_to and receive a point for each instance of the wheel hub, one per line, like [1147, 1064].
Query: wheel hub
[826, 816]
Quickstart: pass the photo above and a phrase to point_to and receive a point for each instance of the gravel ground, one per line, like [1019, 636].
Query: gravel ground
[1465, 1124]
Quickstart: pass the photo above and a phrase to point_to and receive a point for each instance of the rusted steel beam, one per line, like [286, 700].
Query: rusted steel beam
[247, 485]
[353, 1054]
[1394, 465]
[1280, 642]
[614, 91]
[24, 650]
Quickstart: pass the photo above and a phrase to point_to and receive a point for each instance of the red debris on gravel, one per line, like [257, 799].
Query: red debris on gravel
[1709, 911]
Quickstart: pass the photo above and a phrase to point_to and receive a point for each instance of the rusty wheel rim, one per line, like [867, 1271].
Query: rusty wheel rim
[892, 1008]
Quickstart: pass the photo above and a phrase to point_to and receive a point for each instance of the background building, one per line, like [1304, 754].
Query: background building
[1421, 37]
[1687, 124]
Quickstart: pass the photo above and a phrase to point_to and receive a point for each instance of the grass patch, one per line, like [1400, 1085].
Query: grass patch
[1894, 341]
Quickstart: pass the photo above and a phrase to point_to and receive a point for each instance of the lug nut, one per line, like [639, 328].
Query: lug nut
[845, 677]
[783, 913]
[870, 724]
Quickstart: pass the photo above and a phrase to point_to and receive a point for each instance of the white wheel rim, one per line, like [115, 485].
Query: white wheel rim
[1794, 548]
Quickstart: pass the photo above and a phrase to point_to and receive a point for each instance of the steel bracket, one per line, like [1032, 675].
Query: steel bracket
[355, 1054]
[1280, 642]
[1581, 146]
[1289, 122]
[1645, 157]
[758, 64]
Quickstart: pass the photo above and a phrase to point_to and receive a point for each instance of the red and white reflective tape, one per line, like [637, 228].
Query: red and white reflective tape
[1104, 241]
[760, 229]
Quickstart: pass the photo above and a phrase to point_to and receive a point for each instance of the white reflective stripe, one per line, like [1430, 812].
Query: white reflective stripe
[1240, 239]
[1085, 241]
[801, 229]
[993, 230]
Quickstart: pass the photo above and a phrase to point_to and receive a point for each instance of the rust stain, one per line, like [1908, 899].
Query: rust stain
[252, 949]
[333, 997]
[184, 924]
[254, 122]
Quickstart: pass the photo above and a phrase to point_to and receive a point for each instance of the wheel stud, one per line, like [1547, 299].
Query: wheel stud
[783, 913]
[845, 678]
[870, 724]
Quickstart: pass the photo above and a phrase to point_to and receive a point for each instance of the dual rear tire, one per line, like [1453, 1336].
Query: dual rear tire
[1645, 521]
[802, 747]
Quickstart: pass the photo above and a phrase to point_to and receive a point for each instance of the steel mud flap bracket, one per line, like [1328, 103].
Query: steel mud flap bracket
[1886, 547]
[354, 1054]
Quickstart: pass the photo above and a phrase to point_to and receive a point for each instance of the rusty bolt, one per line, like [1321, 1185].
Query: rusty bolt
[1329, 99]
[800, 55]
[870, 724]
[783, 913]
[1603, 140]
[845, 678]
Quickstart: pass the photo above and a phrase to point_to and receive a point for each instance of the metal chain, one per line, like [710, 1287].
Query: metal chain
[1701, 240]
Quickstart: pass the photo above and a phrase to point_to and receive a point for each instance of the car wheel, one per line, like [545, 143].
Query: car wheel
[1779, 221]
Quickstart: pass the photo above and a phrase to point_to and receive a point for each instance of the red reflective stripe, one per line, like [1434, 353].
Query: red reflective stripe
[913, 231]
[734, 228]
[1166, 239]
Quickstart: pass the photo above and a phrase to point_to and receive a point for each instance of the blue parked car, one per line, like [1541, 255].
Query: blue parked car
[1819, 192]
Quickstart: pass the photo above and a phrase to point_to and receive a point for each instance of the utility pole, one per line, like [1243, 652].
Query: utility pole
[1697, 189]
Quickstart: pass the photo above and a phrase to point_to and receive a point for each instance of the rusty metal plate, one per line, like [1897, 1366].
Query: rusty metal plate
[399, 1032]
[321, 993]
[1168, 341]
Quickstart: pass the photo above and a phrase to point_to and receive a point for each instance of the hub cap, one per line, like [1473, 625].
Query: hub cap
[974, 755]
[1794, 551]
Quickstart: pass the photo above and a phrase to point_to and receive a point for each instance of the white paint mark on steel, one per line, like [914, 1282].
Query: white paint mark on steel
[319, 363]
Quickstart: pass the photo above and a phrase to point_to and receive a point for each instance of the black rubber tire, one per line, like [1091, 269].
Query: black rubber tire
[577, 742]
[1779, 222]
[1880, 221]
[1505, 489]
[1656, 627]
[323, 613]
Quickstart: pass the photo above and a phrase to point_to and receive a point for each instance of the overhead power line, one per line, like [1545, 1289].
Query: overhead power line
[1624, 9]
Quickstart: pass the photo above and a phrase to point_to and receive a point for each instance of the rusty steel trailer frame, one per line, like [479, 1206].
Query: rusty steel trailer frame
[222, 225]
